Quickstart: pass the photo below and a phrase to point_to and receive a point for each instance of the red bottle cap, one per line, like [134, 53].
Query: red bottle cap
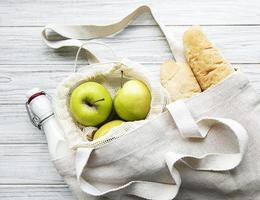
[33, 94]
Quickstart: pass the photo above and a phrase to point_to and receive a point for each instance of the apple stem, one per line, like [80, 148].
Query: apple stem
[103, 99]
[122, 76]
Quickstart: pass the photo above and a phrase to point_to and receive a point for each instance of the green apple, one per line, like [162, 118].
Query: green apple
[132, 101]
[90, 104]
[106, 127]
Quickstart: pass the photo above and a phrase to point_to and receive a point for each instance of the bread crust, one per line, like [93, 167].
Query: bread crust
[205, 60]
[178, 80]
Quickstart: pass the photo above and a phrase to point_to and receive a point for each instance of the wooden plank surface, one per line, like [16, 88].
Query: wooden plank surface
[26, 173]
[23, 45]
[177, 12]
[27, 164]
[35, 192]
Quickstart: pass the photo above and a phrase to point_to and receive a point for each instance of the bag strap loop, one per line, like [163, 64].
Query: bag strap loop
[75, 33]
[90, 42]
[189, 128]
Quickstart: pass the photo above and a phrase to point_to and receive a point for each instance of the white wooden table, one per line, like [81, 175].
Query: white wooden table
[25, 62]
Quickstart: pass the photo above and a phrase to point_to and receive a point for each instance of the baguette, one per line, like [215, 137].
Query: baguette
[178, 80]
[206, 62]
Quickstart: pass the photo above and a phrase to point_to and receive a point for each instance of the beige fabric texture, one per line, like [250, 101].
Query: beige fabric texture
[195, 149]
[178, 80]
[205, 60]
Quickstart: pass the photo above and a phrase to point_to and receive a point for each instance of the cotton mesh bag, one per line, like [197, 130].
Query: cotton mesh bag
[111, 75]
[206, 147]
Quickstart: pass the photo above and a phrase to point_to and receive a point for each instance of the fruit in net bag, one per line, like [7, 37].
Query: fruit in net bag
[106, 128]
[132, 101]
[90, 104]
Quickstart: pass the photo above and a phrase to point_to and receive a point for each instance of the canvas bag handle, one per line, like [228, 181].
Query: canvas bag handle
[74, 34]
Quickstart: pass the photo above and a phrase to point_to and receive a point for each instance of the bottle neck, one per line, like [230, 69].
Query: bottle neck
[34, 96]
[39, 108]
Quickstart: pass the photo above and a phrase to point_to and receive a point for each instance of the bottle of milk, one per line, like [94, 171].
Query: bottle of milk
[40, 111]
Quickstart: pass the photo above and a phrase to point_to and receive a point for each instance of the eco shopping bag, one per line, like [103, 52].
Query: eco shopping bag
[191, 150]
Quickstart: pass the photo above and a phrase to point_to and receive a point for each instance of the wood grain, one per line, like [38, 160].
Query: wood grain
[23, 45]
[35, 192]
[27, 164]
[177, 12]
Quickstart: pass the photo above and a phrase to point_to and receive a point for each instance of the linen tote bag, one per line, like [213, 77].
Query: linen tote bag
[194, 149]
